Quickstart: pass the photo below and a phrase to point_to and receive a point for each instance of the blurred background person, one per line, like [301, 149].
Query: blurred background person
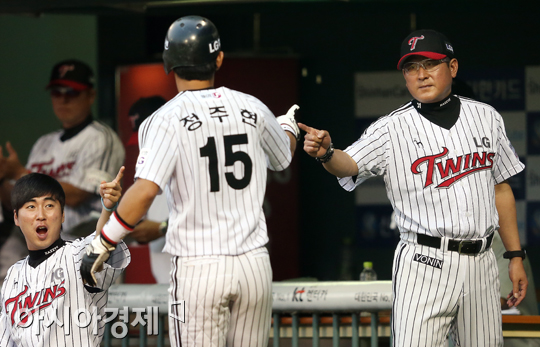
[80, 155]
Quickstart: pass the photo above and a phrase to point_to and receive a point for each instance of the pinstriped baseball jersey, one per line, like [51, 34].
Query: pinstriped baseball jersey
[92, 155]
[40, 300]
[209, 151]
[440, 182]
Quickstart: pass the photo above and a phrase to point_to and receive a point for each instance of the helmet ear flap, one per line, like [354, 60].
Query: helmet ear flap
[191, 41]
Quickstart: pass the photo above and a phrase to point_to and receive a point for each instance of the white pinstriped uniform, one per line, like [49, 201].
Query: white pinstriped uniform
[209, 150]
[441, 183]
[54, 289]
[84, 160]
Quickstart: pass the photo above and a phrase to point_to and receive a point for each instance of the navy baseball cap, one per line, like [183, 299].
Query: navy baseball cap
[72, 73]
[428, 43]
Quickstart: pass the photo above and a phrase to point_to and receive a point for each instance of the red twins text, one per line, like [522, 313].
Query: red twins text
[27, 304]
[46, 168]
[453, 169]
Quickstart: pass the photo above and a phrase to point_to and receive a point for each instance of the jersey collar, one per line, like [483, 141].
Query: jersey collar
[444, 113]
[71, 132]
[37, 257]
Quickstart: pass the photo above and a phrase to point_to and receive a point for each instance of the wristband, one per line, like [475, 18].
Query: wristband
[115, 229]
[109, 209]
[327, 156]
[515, 254]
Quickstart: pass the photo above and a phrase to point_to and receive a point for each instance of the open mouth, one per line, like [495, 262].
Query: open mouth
[42, 231]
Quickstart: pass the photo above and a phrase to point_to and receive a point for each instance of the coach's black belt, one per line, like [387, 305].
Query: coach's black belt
[460, 246]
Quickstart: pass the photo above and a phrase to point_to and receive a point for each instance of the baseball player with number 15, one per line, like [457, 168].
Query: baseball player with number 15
[209, 149]
[444, 159]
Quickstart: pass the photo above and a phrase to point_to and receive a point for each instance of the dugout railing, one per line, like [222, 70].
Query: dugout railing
[300, 310]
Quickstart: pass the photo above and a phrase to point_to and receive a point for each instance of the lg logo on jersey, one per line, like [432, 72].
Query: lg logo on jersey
[485, 142]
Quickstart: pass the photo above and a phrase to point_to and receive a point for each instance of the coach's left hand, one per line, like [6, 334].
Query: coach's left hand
[519, 280]
[96, 254]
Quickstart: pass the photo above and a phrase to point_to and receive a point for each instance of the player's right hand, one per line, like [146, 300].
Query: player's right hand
[288, 122]
[97, 253]
[316, 141]
[112, 191]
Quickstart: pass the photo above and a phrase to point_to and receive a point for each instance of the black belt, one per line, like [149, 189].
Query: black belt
[460, 246]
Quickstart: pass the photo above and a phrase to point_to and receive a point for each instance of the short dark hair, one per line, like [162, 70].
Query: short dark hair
[199, 73]
[35, 185]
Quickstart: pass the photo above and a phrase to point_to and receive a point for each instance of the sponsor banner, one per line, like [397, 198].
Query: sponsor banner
[533, 177]
[378, 93]
[533, 224]
[504, 89]
[343, 296]
[533, 132]
[532, 88]
[516, 130]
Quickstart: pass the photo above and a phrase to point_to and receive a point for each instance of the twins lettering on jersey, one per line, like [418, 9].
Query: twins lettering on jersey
[452, 169]
[46, 167]
[24, 305]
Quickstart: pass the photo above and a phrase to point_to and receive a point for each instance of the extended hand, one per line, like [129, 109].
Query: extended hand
[112, 191]
[97, 253]
[519, 280]
[11, 165]
[316, 142]
[288, 122]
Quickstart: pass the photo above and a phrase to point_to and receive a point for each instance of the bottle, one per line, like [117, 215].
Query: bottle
[368, 274]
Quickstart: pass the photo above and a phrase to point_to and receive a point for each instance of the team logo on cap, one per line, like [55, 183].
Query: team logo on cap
[449, 47]
[63, 70]
[166, 44]
[413, 40]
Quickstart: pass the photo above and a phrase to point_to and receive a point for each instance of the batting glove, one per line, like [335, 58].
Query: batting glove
[97, 253]
[288, 122]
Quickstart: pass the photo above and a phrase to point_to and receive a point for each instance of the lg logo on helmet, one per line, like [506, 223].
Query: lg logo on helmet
[214, 47]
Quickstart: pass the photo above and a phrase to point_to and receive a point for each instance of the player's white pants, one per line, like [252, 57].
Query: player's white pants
[228, 300]
[461, 297]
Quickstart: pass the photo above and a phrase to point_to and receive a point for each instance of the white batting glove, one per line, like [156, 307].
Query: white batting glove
[288, 123]
[97, 253]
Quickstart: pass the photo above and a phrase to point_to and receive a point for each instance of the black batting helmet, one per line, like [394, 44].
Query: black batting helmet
[191, 41]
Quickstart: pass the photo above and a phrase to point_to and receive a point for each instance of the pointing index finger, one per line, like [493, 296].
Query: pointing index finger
[307, 129]
[119, 175]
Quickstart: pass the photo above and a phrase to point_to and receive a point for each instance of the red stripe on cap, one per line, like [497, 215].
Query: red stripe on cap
[430, 55]
[69, 83]
[108, 239]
